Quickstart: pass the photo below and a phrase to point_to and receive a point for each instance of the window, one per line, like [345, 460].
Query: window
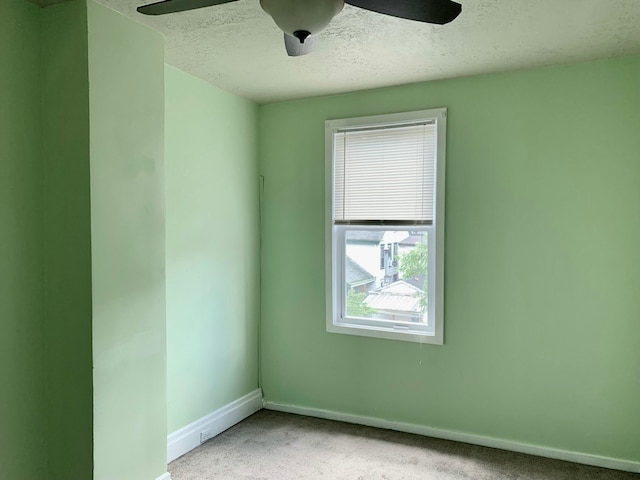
[385, 225]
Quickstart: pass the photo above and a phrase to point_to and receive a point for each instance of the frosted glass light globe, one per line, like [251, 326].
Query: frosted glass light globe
[302, 15]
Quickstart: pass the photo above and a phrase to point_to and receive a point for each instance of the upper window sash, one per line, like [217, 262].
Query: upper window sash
[385, 174]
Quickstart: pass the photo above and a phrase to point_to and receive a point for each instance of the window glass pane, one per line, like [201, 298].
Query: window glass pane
[385, 273]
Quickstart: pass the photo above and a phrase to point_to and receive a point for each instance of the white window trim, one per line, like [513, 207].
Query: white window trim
[436, 242]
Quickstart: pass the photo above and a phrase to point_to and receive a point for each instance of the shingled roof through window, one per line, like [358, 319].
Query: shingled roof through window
[356, 275]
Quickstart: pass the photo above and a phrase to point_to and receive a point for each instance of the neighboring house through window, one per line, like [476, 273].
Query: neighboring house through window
[385, 225]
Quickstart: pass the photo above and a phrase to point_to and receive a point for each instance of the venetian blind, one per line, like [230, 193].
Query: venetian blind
[385, 174]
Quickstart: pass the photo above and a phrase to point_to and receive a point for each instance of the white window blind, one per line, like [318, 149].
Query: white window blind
[385, 174]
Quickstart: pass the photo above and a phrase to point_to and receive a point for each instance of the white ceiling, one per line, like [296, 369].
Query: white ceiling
[237, 46]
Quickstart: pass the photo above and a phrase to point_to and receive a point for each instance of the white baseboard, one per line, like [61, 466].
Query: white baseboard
[164, 476]
[576, 457]
[188, 438]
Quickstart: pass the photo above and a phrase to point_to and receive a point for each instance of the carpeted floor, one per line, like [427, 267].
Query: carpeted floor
[278, 446]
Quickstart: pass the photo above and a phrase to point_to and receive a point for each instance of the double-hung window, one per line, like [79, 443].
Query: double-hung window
[385, 225]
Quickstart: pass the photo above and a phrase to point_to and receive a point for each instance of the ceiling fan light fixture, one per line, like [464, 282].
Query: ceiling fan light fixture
[297, 18]
[302, 20]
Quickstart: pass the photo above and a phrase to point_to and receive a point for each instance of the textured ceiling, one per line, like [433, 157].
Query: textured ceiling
[237, 46]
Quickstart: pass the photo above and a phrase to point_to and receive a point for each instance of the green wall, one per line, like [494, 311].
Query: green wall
[212, 253]
[126, 77]
[22, 346]
[542, 267]
[65, 96]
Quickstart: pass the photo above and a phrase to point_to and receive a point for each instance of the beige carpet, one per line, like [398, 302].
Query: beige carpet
[278, 446]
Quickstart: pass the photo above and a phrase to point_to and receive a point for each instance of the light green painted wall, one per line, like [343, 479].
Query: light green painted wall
[542, 263]
[22, 346]
[212, 250]
[126, 77]
[65, 96]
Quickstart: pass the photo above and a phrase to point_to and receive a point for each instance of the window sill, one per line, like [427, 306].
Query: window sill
[386, 333]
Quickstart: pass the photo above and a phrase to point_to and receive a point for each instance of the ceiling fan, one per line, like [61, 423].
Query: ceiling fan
[302, 20]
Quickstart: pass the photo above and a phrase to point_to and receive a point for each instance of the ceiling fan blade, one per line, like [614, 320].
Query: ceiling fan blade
[428, 11]
[295, 48]
[174, 6]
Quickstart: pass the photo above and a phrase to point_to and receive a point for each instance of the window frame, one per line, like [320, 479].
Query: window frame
[335, 254]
